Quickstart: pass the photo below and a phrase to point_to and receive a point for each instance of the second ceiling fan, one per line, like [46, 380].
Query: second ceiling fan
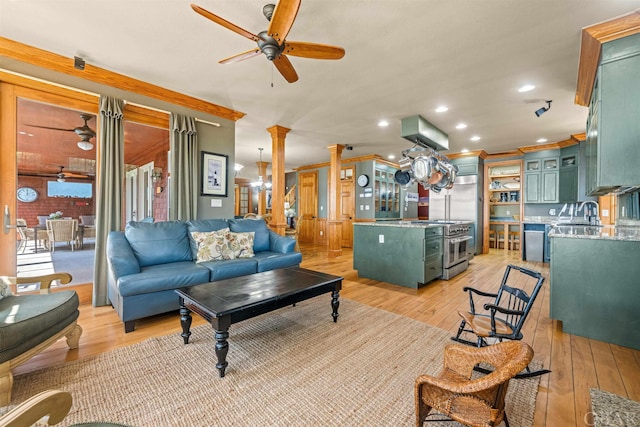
[272, 42]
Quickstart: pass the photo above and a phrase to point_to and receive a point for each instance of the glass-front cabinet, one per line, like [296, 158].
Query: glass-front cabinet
[386, 192]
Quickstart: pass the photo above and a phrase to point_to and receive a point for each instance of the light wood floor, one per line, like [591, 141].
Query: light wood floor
[563, 400]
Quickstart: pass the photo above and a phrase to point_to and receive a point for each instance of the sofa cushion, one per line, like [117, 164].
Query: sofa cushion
[241, 244]
[158, 242]
[35, 318]
[213, 245]
[268, 260]
[258, 226]
[203, 225]
[231, 268]
[163, 277]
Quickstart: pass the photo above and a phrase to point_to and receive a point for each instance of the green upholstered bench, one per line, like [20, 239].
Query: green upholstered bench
[31, 323]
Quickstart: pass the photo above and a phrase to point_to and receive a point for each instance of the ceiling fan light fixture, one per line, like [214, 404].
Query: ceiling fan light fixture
[60, 179]
[85, 145]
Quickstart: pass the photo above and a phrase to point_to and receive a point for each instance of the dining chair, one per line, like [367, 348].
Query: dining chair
[62, 230]
[29, 234]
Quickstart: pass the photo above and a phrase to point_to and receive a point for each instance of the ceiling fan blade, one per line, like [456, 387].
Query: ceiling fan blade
[313, 50]
[47, 127]
[224, 22]
[241, 56]
[282, 19]
[283, 65]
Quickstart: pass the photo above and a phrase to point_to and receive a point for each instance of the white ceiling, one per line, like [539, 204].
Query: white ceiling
[403, 57]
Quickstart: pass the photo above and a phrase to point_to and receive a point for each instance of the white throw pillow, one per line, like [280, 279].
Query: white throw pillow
[213, 245]
[5, 290]
[242, 244]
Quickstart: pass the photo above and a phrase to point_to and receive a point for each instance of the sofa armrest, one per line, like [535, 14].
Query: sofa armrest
[281, 244]
[120, 257]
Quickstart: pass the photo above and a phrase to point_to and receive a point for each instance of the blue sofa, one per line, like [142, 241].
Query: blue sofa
[148, 261]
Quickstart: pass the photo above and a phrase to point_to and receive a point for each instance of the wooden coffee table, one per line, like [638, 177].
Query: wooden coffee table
[225, 302]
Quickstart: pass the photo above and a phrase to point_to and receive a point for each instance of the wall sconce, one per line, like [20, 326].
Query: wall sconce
[156, 175]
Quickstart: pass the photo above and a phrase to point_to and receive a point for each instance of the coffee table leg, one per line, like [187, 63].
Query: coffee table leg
[335, 303]
[185, 321]
[221, 326]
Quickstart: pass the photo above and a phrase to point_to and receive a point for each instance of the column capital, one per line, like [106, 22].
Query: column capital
[278, 131]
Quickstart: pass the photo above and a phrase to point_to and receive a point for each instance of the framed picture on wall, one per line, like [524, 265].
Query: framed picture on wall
[214, 174]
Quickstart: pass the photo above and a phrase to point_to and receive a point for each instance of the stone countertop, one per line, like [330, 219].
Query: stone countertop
[403, 224]
[540, 220]
[607, 232]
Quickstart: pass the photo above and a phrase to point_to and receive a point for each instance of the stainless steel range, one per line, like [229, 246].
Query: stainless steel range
[456, 239]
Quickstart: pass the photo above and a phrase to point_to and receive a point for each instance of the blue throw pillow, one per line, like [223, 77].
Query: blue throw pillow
[258, 226]
[156, 243]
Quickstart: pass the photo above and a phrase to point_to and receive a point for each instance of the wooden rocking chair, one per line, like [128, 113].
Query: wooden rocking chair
[504, 317]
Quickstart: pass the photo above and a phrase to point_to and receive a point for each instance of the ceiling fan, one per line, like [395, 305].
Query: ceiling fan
[84, 132]
[60, 175]
[272, 41]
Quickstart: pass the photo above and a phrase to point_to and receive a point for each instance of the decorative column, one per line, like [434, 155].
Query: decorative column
[262, 194]
[334, 223]
[278, 220]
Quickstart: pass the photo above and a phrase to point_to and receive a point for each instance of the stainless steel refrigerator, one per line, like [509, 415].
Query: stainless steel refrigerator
[463, 202]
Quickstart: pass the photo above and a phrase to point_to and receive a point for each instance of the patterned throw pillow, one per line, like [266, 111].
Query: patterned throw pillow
[212, 245]
[242, 244]
[5, 290]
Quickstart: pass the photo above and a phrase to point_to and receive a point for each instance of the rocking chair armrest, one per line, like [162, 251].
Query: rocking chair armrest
[479, 292]
[462, 387]
[503, 310]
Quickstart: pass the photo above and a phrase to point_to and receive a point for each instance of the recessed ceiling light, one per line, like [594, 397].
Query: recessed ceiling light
[475, 138]
[526, 88]
[465, 150]
[541, 140]
[461, 126]
[391, 157]
[441, 109]
[383, 123]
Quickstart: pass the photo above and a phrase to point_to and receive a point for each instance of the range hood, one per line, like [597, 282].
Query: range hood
[419, 131]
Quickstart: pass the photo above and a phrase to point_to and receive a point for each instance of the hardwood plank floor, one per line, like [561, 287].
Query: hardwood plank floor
[577, 363]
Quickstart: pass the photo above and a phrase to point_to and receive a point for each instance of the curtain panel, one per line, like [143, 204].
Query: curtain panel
[110, 180]
[183, 186]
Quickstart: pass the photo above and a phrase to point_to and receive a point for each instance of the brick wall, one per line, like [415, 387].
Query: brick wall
[44, 205]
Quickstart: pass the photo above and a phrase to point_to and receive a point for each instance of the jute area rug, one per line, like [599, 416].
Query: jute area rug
[609, 409]
[292, 367]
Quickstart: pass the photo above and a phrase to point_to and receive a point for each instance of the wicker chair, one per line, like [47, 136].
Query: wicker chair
[29, 234]
[62, 230]
[476, 402]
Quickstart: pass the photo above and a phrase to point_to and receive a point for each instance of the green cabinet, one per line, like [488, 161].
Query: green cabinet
[594, 288]
[613, 127]
[403, 255]
[568, 182]
[541, 177]
[386, 192]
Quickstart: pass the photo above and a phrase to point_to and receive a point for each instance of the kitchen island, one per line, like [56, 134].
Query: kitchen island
[595, 290]
[406, 253]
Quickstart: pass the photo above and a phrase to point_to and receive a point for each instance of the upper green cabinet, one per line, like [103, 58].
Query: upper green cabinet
[568, 182]
[541, 176]
[386, 192]
[613, 123]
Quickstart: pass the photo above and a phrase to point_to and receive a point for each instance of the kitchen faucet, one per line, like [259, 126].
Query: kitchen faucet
[595, 221]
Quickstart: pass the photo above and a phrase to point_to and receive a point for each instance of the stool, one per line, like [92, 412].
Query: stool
[514, 239]
[492, 238]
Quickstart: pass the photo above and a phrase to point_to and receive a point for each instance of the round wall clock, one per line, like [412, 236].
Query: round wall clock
[363, 180]
[27, 194]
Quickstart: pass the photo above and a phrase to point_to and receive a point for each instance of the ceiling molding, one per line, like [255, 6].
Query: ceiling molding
[58, 63]
[591, 47]
[477, 153]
